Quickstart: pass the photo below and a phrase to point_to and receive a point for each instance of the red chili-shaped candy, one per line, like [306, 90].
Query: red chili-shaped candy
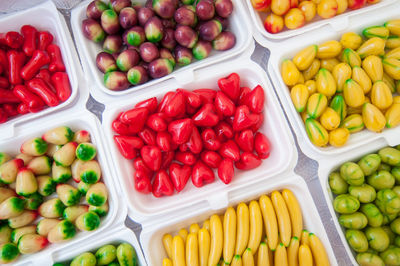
[262, 145]
[60, 81]
[162, 185]
[10, 109]
[202, 174]
[45, 39]
[3, 116]
[226, 171]
[33, 102]
[40, 87]
[7, 96]
[12, 39]
[248, 161]
[16, 61]
[186, 157]
[56, 61]
[179, 175]
[4, 84]
[150, 104]
[22, 108]
[142, 182]
[30, 39]
[45, 75]
[39, 59]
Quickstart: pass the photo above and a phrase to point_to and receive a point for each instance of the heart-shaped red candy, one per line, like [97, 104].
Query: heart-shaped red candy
[244, 91]
[192, 99]
[202, 174]
[151, 156]
[248, 161]
[262, 145]
[255, 99]
[195, 144]
[179, 175]
[185, 157]
[167, 158]
[142, 182]
[136, 118]
[148, 136]
[207, 95]
[150, 104]
[180, 130]
[230, 150]
[176, 105]
[211, 158]
[140, 165]
[164, 141]
[230, 85]
[162, 185]
[245, 140]
[244, 119]
[210, 140]
[224, 131]
[156, 122]
[226, 171]
[206, 116]
[224, 105]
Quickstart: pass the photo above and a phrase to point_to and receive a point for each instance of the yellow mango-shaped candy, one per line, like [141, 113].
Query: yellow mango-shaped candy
[326, 84]
[351, 40]
[311, 86]
[280, 7]
[373, 46]
[341, 72]
[372, 64]
[394, 53]
[392, 67]
[392, 42]
[362, 79]
[299, 95]
[393, 26]
[353, 123]
[350, 57]
[329, 49]
[312, 70]
[341, 6]
[396, 99]
[316, 132]
[353, 93]
[392, 115]
[309, 9]
[305, 57]
[316, 104]
[330, 119]
[329, 63]
[373, 118]
[290, 73]
[381, 96]
[389, 81]
[376, 31]
[339, 106]
[338, 137]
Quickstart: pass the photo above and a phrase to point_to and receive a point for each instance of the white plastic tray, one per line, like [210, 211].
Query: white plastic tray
[88, 51]
[336, 23]
[283, 156]
[75, 120]
[151, 237]
[44, 17]
[288, 50]
[114, 236]
[327, 167]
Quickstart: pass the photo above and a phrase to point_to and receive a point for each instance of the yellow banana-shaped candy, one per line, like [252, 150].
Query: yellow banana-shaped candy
[206, 224]
[178, 251]
[381, 96]
[393, 26]
[282, 214]
[392, 115]
[338, 137]
[293, 251]
[194, 228]
[373, 46]
[248, 259]
[353, 93]
[318, 251]
[372, 65]
[316, 132]
[305, 256]
[263, 255]
[243, 228]
[280, 256]
[362, 79]
[341, 72]
[312, 70]
[167, 262]
[229, 234]
[192, 250]
[394, 53]
[217, 238]
[296, 217]
[392, 42]
[270, 222]
[204, 246]
[392, 67]
[350, 57]
[330, 120]
[329, 63]
[299, 95]
[167, 242]
[183, 233]
[305, 57]
[256, 226]
[373, 118]
[351, 40]
[304, 237]
[329, 49]
[290, 73]
[237, 261]
[326, 84]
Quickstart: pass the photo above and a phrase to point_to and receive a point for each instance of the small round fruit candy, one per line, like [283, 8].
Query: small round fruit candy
[95, 8]
[186, 15]
[128, 17]
[116, 80]
[52, 208]
[92, 30]
[61, 174]
[154, 29]
[40, 165]
[106, 254]
[26, 183]
[97, 194]
[210, 30]
[62, 231]
[273, 23]
[224, 8]
[82, 136]
[125, 251]
[127, 59]
[225, 41]
[112, 44]
[183, 56]
[205, 9]
[8, 253]
[87, 259]
[9, 170]
[66, 155]
[86, 151]
[202, 49]
[45, 225]
[294, 19]
[137, 75]
[31, 243]
[58, 136]
[168, 41]
[309, 9]
[34, 147]
[105, 62]
[165, 8]
[73, 212]
[134, 36]
[68, 194]
[327, 8]
[149, 52]
[160, 68]
[186, 36]
[88, 221]
[90, 172]
[109, 21]
[165, 53]
[46, 185]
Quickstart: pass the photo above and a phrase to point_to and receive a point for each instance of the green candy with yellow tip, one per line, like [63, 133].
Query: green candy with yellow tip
[126, 255]
[364, 193]
[367, 258]
[373, 214]
[106, 254]
[355, 220]
[390, 156]
[376, 31]
[87, 259]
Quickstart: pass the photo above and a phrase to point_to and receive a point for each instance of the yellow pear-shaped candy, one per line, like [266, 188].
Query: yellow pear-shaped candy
[394, 53]
[392, 67]
[338, 137]
[316, 104]
[316, 132]
[330, 119]
[341, 72]
[312, 70]
[372, 64]
[354, 123]
[329, 63]
[290, 73]
[311, 86]
[326, 84]
[299, 95]
[376, 31]
[392, 42]
[301, 79]
[373, 118]
[381, 96]
[353, 93]
[392, 116]
[351, 40]
[362, 79]
[305, 57]
[329, 49]
[350, 57]
[373, 46]
[389, 81]
[393, 26]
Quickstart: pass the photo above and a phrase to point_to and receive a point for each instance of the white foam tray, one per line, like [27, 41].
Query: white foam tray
[288, 50]
[114, 236]
[76, 120]
[327, 167]
[44, 17]
[336, 23]
[151, 237]
[88, 51]
[283, 155]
